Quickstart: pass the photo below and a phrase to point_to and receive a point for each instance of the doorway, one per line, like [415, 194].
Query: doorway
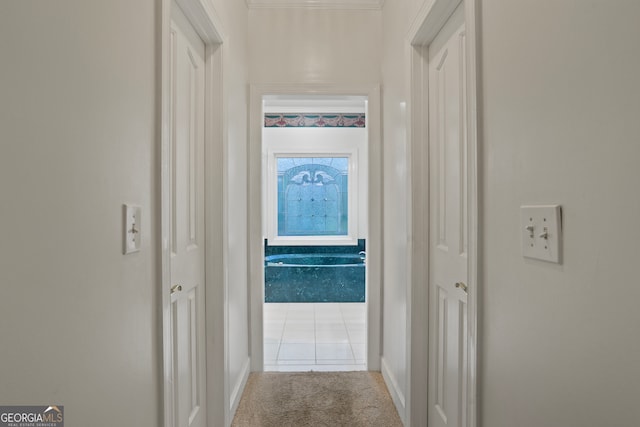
[315, 158]
[187, 222]
[191, 171]
[444, 136]
[319, 334]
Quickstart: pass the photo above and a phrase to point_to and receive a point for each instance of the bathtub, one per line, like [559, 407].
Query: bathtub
[314, 278]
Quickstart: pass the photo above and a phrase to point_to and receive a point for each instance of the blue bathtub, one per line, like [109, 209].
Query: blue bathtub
[314, 278]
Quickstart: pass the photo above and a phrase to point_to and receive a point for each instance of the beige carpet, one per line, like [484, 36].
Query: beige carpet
[316, 399]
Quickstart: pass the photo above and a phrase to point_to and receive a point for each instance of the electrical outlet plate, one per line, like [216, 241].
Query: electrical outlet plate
[541, 228]
[132, 228]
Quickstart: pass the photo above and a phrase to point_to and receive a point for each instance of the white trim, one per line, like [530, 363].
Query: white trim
[236, 393]
[217, 309]
[471, 23]
[205, 21]
[374, 235]
[165, 207]
[330, 150]
[418, 293]
[330, 105]
[394, 390]
[317, 4]
[430, 19]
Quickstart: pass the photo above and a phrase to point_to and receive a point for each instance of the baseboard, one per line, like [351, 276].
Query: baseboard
[394, 390]
[238, 388]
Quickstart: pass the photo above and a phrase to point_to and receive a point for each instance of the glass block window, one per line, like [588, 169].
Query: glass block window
[312, 196]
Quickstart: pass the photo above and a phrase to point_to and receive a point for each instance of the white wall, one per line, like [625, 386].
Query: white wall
[79, 321]
[300, 45]
[560, 117]
[234, 17]
[396, 202]
[558, 121]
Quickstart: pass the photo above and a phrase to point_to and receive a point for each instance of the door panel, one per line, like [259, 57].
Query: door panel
[448, 226]
[187, 222]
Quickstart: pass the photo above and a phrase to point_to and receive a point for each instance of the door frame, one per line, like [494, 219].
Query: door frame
[208, 26]
[374, 237]
[426, 26]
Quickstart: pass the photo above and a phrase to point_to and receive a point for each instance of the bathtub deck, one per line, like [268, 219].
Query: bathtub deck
[309, 283]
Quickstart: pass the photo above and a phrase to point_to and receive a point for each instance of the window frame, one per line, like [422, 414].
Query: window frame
[351, 238]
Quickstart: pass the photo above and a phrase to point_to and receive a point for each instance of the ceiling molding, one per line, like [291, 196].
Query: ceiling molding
[314, 104]
[316, 4]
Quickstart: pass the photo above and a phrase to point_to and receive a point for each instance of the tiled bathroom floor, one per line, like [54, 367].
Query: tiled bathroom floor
[314, 337]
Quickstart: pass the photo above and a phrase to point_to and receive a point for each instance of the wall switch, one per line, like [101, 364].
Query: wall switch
[132, 228]
[541, 230]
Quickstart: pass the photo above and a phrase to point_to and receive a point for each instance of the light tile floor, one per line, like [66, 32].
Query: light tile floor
[315, 337]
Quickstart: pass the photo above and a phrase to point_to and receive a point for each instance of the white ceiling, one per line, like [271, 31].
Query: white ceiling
[317, 4]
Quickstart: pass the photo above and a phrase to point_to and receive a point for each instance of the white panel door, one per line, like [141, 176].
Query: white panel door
[187, 222]
[448, 230]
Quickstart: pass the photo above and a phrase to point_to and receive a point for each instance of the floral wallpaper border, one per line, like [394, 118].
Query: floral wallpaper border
[290, 120]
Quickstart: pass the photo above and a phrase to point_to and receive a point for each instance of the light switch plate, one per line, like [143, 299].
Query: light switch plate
[541, 228]
[132, 228]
